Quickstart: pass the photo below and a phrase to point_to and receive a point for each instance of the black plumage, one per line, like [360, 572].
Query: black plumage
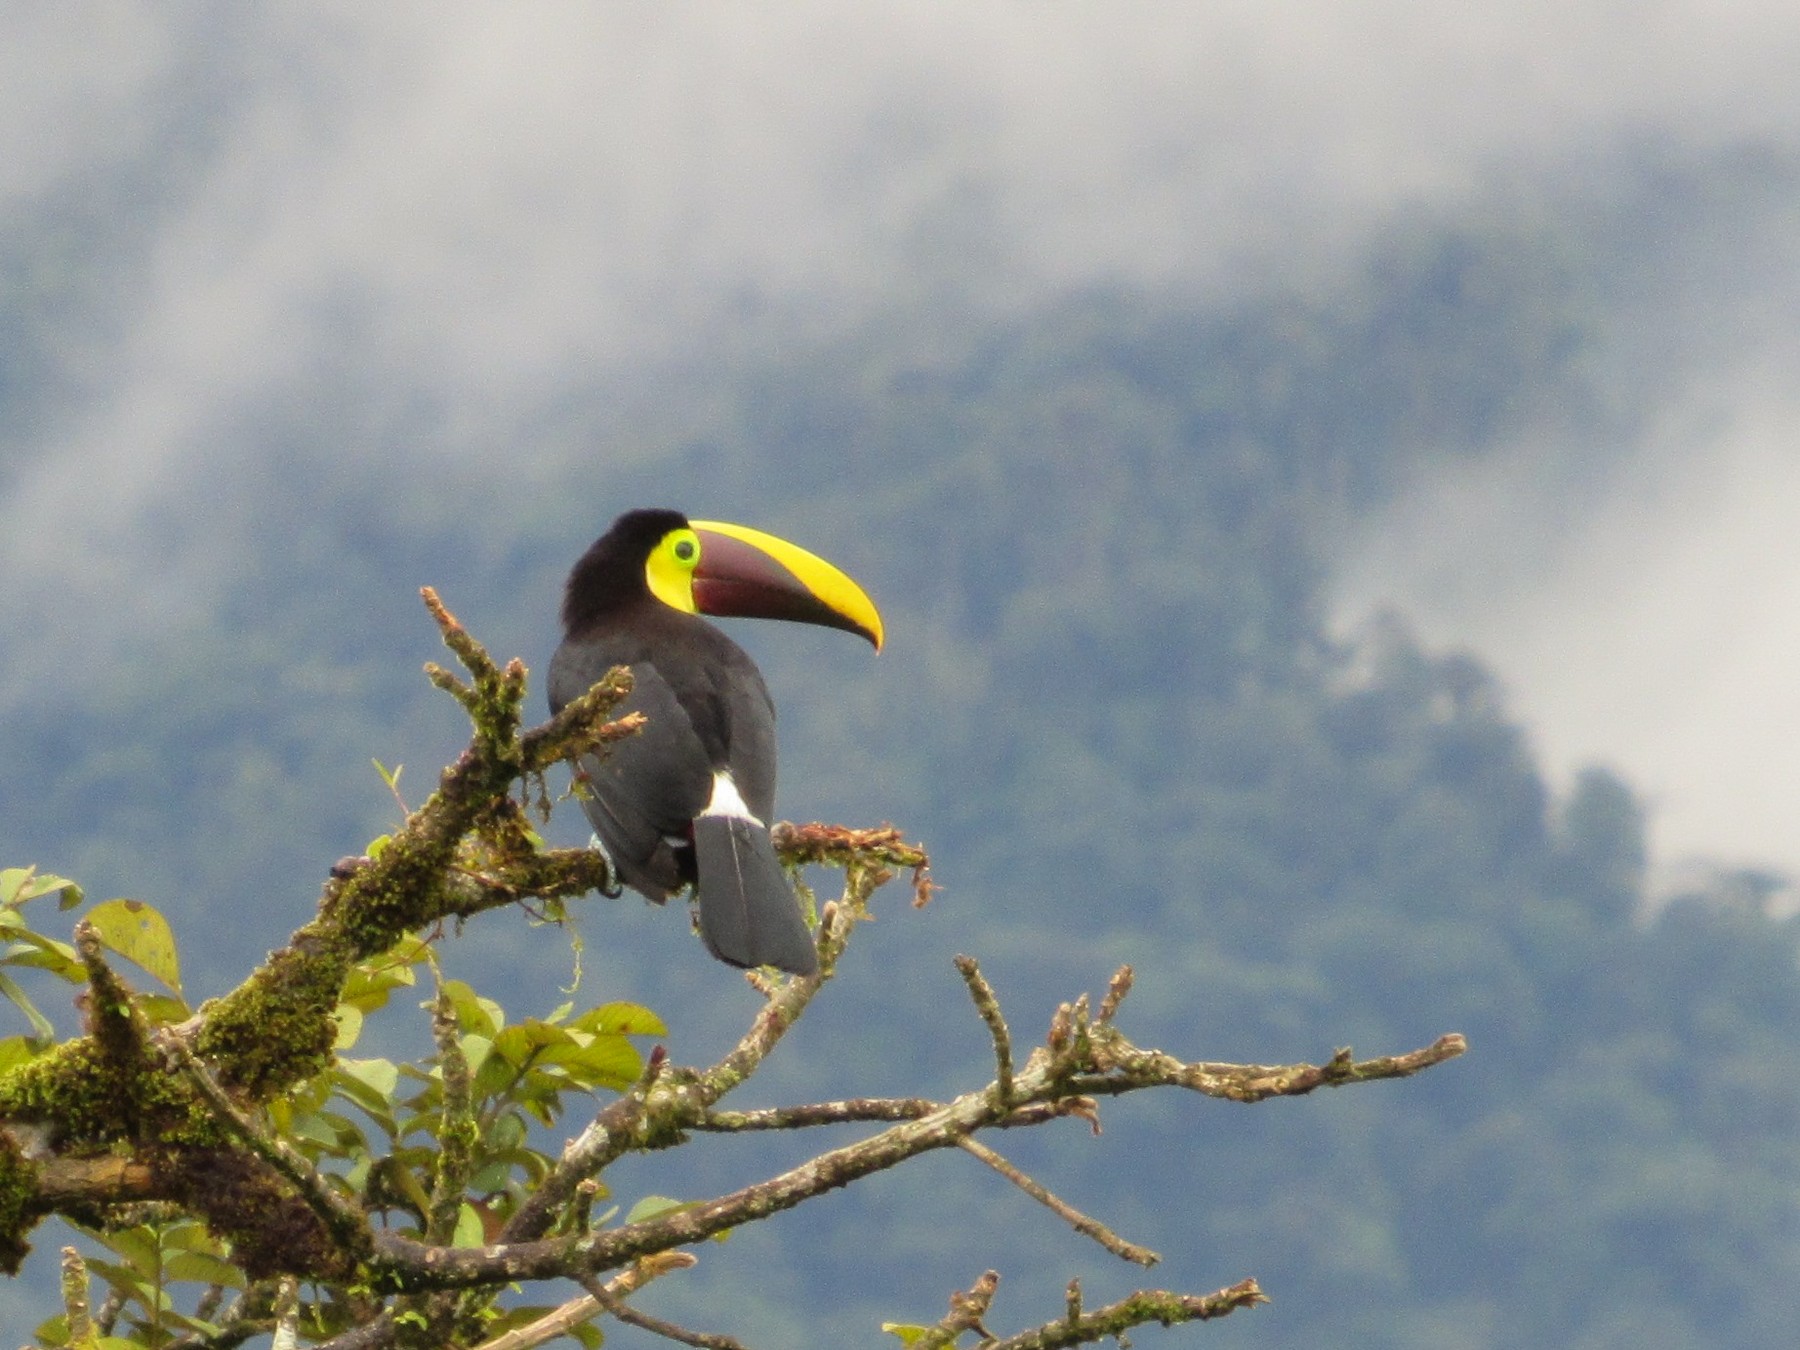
[687, 800]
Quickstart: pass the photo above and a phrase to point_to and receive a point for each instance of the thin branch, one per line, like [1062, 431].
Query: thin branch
[862, 1110]
[1115, 995]
[611, 1134]
[1127, 1067]
[989, 1008]
[376, 1334]
[611, 1299]
[967, 1308]
[251, 1314]
[458, 1131]
[600, 1298]
[287, 1315]
[1134, 1310]
[75, 1297]
[1081, 1223]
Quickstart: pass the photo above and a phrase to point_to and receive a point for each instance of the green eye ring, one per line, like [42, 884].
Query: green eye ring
[687, 550]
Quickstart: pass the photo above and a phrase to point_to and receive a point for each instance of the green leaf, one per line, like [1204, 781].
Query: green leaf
[606, 1061]
[476, 1050]
[203, 1268]
[654, 1206]
[370, 982]
[624, 1019]
[907, 1332]
[474, 1013]
[44, 953]
[42, 1032]
[469, 1229]
[525, 1041]
[191, 1236]
[162, 1009]
[141, 935]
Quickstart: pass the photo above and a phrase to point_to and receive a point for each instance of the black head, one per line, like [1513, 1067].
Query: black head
[611, 573]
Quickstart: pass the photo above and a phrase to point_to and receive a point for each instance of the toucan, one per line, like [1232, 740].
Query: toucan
[688, 799]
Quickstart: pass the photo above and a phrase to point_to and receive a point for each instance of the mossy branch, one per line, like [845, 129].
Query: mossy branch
[104, 1090]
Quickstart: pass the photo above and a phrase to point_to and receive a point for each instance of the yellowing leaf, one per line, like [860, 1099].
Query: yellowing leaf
[625, 1019]
[19, 884]
[380, 1076]
[141, 935]
[349, 1025]
[16, 1050]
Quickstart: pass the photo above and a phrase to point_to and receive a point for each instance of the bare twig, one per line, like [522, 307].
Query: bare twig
[611, 1298]
[1126, 1067]
[1045, 1077]
[600, 1298]
[989, 1008]
[1081, 1223]
[856, 1110]
[1115, 995]
[967, 1308]
[1134, 1310]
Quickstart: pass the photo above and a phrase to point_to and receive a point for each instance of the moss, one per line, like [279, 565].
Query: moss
[84, 1097]
[18, 1210]
[404, 891]
[277, 1029]
[271, 1229]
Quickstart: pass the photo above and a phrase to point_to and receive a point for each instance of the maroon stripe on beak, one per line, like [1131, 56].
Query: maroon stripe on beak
[736, 580]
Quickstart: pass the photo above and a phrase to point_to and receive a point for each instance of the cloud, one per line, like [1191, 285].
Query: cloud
[361, 210]
[1651, 626]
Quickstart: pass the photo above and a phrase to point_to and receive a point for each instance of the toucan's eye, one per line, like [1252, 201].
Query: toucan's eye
[686, 550]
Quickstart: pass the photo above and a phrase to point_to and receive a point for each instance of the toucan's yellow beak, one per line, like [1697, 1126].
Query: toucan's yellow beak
[744, 573]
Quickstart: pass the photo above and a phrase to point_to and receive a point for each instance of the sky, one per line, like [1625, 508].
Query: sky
[475, 208]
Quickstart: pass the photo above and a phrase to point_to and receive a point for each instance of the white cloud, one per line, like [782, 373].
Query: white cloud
[480, 203]
[1653, 627]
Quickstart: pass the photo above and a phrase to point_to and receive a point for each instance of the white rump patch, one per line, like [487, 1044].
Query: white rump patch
[726, 800]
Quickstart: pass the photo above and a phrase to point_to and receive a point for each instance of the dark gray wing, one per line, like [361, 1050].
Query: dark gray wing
[649, 787]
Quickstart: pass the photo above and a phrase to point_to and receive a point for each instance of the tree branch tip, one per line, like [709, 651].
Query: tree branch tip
[448, 681]
[1116, 991]
[439, 611]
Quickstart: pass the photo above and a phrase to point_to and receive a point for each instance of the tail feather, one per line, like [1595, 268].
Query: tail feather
[749, 915]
